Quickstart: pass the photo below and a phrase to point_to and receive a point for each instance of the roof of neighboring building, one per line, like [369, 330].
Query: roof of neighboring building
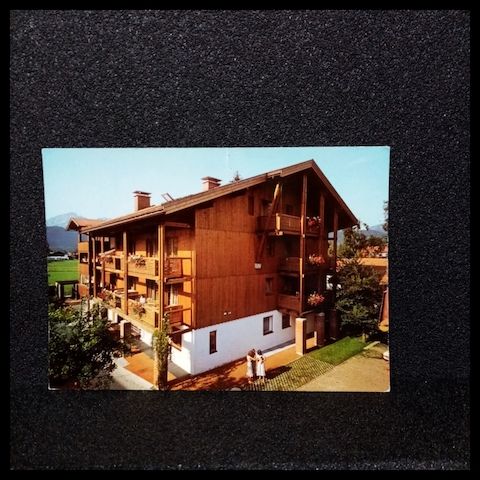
[379, 264]
[198, 198]
[77, 223]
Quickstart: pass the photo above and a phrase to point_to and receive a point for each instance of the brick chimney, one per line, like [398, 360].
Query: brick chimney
[210, 182]
[142, 200]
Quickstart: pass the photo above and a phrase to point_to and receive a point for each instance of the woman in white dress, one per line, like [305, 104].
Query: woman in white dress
[250, 361]
[260, 366]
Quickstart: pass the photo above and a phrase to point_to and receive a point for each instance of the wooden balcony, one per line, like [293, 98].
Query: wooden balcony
[144, 266]
[282, 223]
[289, 302]
[82, 247]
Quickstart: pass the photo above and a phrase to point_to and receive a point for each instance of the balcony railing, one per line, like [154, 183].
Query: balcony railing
[178, 315]
[113, 263]
[145, 313]
[281, 222]
[290, 264]
[173, 268]
[143, 266]
[289, 302]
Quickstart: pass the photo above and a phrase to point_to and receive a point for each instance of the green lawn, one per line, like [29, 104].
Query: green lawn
[339, 351]
[63, 270]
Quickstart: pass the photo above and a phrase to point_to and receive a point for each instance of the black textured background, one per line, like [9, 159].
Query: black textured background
[254, 78]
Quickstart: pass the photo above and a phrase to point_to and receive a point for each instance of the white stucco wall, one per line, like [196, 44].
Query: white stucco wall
[235, 338]
[183, 357]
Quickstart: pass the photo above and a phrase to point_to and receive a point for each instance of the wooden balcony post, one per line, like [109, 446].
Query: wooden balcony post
[89, 265]
[102, 250]
[303, 225]
[125, 272]
[321, 240]
[94, 253]
[161, 270]
[335, 238]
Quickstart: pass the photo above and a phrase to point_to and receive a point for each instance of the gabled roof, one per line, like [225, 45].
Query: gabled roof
[198, 198]
[77, 223]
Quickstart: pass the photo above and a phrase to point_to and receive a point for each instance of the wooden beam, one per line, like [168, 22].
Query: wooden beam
[303, 224]
[125, 271]
[261, 246]
[161, 271]
[89, 263]
[193, 298]
[102, 250]
[177, 225]
[94, 253]
[321, 239]
[335, 237]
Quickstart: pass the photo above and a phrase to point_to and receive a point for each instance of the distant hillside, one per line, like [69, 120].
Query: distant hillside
[374, 231]
[61, 220]
[60, 239]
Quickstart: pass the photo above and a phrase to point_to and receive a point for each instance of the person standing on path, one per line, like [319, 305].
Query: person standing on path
[260, 360]
[250, 364]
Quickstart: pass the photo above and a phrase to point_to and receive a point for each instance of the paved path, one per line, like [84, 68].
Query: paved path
[365, 372]
[123, 379]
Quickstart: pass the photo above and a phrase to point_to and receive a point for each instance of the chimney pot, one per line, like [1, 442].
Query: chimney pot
[142, 200]
[210, 182]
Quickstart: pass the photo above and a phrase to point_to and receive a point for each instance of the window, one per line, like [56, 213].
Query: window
[267, 325]
[83, 258]
[132, 283]
[118, 242]
[173, 295]
[266, 206]
[131, 245]
[172, 246]
[152, 246]
[286, 320]
[251, 205]
[269, 286]
[213, 341]
[271, 247]
[113, 281]
[151, 289]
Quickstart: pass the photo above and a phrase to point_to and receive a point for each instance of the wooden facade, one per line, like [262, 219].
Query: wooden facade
[222, 255]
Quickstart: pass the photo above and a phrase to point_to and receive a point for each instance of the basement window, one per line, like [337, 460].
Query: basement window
[267, 325]
[285, 320]
[213, 341]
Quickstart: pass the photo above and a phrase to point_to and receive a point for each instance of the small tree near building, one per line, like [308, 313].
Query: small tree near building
[161, 349]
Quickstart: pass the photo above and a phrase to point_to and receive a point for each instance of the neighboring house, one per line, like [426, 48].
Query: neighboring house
[230, 266]
[55, 257]
[82, 252]
[380, 265]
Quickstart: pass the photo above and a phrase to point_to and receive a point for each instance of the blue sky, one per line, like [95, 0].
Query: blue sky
[98, 182]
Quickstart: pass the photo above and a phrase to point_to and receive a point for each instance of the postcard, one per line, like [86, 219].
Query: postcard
[239, 269]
